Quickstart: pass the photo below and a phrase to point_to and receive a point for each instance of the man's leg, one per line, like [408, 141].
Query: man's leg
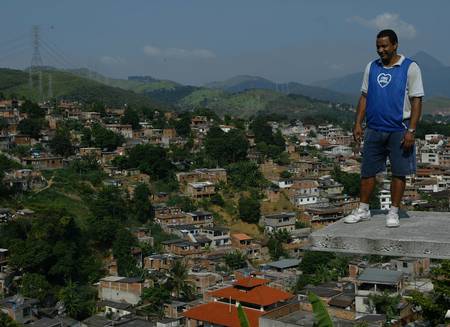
[367, 186]
[398, 184]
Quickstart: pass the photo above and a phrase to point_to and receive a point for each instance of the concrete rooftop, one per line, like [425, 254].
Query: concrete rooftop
[420, 234]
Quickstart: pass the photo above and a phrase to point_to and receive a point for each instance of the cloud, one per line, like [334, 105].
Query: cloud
[387, 20]
[153, 51]
[109, 60]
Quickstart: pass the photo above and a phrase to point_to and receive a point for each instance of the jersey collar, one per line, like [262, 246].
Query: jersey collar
[398, 63]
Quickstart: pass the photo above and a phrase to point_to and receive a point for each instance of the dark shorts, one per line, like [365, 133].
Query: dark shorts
[378, 146]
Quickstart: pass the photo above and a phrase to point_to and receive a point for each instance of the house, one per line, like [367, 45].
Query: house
[200, 190]
[282, 265]
[324, 213]
[246, 245]
[24, 180]
[19, 308]
[412, 267]
[184, 248]
[253, 294]
[120, 289]
[375, 281]
[279, 221]
[171, 216]
[174, 309]
[299, 313]
[203, 218]
[215, 176]
[42, 163]
[160, 262]
[219, 236]
[385, 199]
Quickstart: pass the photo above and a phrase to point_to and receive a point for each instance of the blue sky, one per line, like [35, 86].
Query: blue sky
[197, 41]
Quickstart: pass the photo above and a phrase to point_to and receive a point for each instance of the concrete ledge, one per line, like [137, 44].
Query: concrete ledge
[421, 234]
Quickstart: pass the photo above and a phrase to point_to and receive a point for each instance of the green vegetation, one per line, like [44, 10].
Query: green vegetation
[235, 260]
[275, 244]
[435, 305]
[249, 209]
[70, 86]
[321, 316]
[226, 148]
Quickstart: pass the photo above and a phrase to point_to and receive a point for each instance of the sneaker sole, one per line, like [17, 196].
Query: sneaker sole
[355, 222]
[392, 226]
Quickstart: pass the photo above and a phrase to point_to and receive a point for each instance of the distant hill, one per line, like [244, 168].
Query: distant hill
[245, 82]
[257, 101]
[436, 78]
[69, 85]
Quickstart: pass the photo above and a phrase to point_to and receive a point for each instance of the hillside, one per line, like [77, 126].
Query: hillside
[69, 86]
[244, 82]
[436, 78]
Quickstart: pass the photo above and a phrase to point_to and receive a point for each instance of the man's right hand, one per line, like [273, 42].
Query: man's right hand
[357, 133]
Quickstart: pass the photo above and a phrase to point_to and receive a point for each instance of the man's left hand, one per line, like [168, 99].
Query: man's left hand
[408, 141]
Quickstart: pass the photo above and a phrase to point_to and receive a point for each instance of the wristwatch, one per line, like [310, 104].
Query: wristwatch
[412, 130]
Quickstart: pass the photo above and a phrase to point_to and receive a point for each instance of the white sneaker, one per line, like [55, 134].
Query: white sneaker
[357, 215]
[392, 220]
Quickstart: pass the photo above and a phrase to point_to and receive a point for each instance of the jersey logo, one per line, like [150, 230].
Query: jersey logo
[384, 79]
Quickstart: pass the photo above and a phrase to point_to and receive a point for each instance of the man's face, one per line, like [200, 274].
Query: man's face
[385, 49]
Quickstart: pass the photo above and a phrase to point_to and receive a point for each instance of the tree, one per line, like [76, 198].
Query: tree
[312, 260]
[31, 127]
[141, 206]
[226, 148]
[275, 244]
[385, 303]
[35, 286]
[183, 124]
[243, 320]
[104, 138]
[79, 301]
[178, 280]
[235, 260]
[32, 110]
[121, 248]
[61, 143]
[249, 209]
[151, 160]
[131, 117]
[6, 321]
[243, 175]
[154, 299]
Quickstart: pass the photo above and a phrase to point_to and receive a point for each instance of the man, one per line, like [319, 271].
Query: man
[391, 103]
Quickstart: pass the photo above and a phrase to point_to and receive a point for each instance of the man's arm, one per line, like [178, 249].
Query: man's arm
[416, 111]
[360, 114]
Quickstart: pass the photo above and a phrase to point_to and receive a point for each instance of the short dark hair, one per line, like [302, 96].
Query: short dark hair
[390, 34]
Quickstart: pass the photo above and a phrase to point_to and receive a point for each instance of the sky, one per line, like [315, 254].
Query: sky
[199, 41]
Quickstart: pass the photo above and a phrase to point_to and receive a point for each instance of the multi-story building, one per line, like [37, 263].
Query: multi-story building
[279, 221]
[200, 190]
[120, 289]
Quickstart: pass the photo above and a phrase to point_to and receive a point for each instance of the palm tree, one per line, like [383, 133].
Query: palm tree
[178, 279]
[322, 318]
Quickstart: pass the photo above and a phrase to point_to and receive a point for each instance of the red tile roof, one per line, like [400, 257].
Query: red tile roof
[250, 282]
[219, 314]
[260, 295]
[241, 236]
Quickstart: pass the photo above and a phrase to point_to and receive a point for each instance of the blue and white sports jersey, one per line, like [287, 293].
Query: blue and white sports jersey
[388, 90]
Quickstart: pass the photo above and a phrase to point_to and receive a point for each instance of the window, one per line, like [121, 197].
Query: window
[405, 265]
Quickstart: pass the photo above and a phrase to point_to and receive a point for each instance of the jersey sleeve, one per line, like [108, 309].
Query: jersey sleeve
[365, 81]
[415, 86]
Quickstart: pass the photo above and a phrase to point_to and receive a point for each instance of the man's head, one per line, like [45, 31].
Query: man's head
[387, 43]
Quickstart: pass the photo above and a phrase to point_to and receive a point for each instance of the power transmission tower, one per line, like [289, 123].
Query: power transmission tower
[36, 59]
[50, 86]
